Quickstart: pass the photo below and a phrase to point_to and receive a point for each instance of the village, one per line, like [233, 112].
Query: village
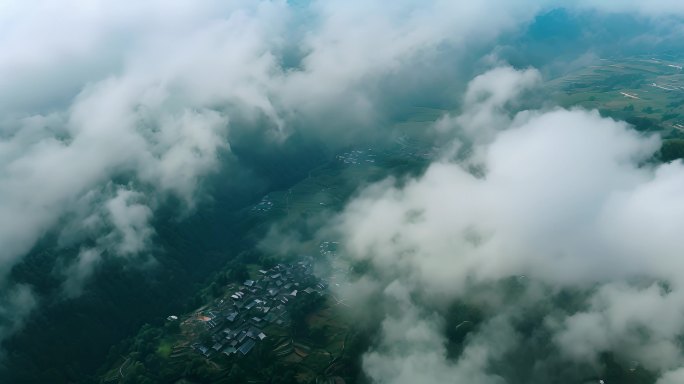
[236, 323]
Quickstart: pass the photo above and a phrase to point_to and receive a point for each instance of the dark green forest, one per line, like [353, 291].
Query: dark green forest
[67, 340]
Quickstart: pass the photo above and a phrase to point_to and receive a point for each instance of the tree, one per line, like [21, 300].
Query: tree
[302, 308]
[237, 374]
[238, 272]
[215, 289]
[672, 149]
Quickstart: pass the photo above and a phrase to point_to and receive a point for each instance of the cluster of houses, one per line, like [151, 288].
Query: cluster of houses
[264, 205]
[328, 248]
[357, 157]
[236, 324]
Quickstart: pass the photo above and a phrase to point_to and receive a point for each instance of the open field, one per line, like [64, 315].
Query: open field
[643, 87]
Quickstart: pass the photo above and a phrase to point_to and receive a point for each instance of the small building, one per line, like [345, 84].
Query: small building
[232, 316]
[229, 351]
[246, 347]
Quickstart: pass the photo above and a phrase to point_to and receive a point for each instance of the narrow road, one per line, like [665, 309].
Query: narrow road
[121, 368]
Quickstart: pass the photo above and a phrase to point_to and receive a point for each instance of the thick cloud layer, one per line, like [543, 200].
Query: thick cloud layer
[110, 108]
[565, 200]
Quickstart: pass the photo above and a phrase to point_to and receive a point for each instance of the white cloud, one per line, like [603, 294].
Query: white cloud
[130, 220]
[91, 91]
[567, 198]
[78, 273]
[486, 99]
[673, 377]
[15, 305]
[538, 206]
[641, 324]
[412, 347]
[150, 92]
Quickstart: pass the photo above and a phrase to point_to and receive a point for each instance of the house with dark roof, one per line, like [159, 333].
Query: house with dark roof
[229, 351]
[231, 316]
[247, 346]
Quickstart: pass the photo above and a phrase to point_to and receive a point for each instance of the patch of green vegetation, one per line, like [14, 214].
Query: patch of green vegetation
[164, 348]
[672, 149]
[626, 88]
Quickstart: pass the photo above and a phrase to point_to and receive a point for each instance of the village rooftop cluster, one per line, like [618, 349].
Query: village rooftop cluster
[357, 157]
[235, 324]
